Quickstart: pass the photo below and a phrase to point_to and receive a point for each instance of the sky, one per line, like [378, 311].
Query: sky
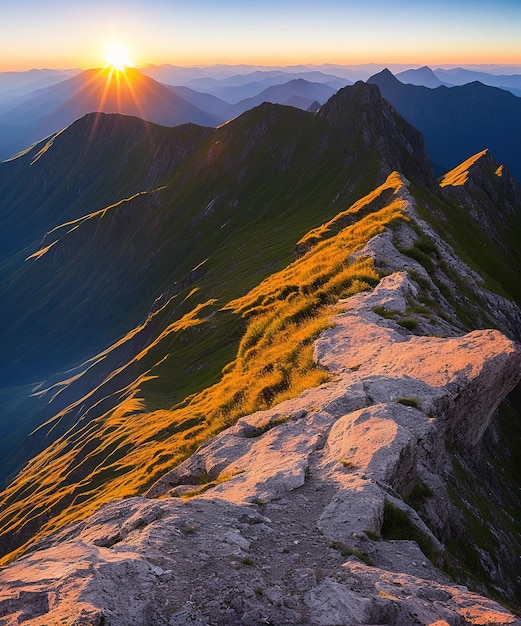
[74, 34]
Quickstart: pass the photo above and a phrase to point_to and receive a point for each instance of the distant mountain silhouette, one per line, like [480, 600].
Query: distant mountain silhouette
[203, 101]
[17, 85]
[236, 88]
[462, 76]
[96, 90]
[421, 76]
[297, 92]
[459, 121]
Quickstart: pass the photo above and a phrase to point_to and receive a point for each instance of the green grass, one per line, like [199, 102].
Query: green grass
[346, 551]
[386, 313]
[490, 522]
[408, 322]
[419, 494]
[398, 525]
[498, 263]
[414, 402]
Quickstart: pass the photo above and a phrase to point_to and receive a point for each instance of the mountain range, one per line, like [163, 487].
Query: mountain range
[458, 121]
[45, 111]
[459, 76]
[453, 120]
[221, 383]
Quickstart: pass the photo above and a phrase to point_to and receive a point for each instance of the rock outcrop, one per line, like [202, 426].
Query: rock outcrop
[280, 518]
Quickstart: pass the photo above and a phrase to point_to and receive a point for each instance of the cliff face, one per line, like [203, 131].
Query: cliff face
[343, 505]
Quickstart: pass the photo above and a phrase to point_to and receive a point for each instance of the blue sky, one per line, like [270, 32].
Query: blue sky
[63, 33]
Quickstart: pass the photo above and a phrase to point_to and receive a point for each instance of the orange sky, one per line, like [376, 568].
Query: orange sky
[58, 33]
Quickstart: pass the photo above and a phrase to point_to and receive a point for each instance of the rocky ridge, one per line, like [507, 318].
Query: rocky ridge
[291, 516]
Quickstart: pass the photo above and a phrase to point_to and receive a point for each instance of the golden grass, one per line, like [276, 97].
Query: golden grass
[372, 201]
[459, 175]
[125, 450]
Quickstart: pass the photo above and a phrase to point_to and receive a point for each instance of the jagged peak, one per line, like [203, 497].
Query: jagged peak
[358, 94]
[364, 118]
[478, 165]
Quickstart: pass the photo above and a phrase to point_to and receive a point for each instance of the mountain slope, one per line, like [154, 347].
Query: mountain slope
[192, 211]
[92, 282]
[203, 101]
[97, 90]
[457, 122]
[241, 86]
[462, 76]
[17, 86]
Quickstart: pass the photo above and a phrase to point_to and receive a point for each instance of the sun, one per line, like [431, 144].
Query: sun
[117, 57]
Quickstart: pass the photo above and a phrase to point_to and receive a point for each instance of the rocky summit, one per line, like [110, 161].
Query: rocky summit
[375, 497]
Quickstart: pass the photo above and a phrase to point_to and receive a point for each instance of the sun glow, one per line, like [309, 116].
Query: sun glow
[117, 57]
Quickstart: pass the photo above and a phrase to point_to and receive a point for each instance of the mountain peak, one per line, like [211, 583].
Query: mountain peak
[384, 76]
[479, 169]
[460, 174]
[488, 189]
[423, 76]
[363, 117]
[483, 171]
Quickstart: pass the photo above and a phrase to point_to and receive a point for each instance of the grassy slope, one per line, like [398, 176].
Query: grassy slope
[124, 450]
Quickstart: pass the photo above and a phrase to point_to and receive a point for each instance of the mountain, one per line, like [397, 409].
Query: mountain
[297, 92]
[492, 220]
[203, 101]
[16, 85]
[456, 122]
[239, 87]
[238, 412]
[101, 90]
[421, 76]
[462, 76]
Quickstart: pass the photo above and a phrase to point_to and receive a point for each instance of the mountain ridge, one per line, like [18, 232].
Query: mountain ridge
[218, 399]
[317, 454]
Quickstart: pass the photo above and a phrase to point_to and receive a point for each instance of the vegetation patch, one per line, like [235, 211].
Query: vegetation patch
[346, 551]
[386, 313]
[418, 495]
[372, 535]
[414, 402]
[398, 525]
[408, 322]
[490, 524]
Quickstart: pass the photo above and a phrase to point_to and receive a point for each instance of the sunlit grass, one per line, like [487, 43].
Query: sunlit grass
[459, 175]
[125, 450]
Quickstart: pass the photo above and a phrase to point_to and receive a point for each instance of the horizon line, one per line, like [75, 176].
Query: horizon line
[411, 65]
